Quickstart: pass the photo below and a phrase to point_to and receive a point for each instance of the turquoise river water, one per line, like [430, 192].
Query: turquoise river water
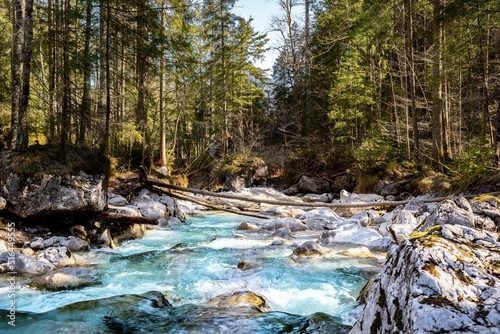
[191, 264]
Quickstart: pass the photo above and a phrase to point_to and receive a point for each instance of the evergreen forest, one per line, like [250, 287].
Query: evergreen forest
[357, 85]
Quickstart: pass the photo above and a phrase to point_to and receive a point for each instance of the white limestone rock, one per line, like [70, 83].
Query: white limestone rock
[350, 234]
[445, 281]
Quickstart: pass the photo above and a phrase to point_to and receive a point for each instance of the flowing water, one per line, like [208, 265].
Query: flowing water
[192, 264]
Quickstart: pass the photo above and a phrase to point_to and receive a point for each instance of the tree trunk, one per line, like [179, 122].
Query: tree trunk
[103, 42]
[86, 105]
[437, 93]
[163, 150]
[22, 47]
[52, 69]
[141, 73]
[411, 82]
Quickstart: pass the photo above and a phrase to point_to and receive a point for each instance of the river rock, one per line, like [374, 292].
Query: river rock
[24, 264]
[310, 248]
[129, 232]
[66, 278]
[30, 196]
[290, 223]
[59, 256]
[173, 208]
[241, 299]
[3, 203]
[148, 204]
[75, 244]
[116, 200]
[284, 233]
[244, 226]
[106, 240]
[79, 231]
[350, 234]
[315, 185]
[247, 265]
[444, 280]
[280, 211]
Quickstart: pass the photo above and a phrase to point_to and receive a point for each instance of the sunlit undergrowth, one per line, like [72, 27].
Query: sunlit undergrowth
[46, 159]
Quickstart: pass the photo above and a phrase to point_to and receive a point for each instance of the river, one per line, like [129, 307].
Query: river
[192, 264]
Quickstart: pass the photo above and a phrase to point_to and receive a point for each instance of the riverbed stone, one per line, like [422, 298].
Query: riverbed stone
[244, 226]
[75, 244]
[24, 264]
[66, 278]
[129, 232]
[349, 234]
[116, 200]
[59, 256]
[284, 233]
[290, 223]
[79, 231]
[3, 203]
[105, 239]
[247, 265]
[310, 248]
[448, 212]
[240, 299]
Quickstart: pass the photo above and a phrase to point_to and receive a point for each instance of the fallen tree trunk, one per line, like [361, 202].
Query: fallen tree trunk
[210, 205]
[297, 203]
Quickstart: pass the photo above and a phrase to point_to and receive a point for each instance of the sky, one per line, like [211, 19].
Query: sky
[261, 11]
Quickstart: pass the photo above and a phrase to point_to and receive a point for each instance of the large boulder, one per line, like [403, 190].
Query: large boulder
[443, 280]
[32, 195]
[315, 185]
[66, 278]
[242, 172]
